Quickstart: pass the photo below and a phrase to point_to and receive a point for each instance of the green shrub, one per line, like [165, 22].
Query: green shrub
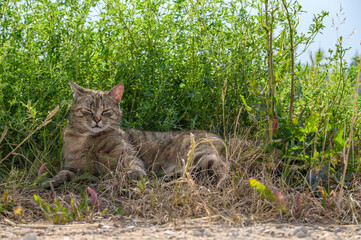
[184, 64]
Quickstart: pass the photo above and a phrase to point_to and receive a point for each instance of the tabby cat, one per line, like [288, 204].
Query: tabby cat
[94, 142]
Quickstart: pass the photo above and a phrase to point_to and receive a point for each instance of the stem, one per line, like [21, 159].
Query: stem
[292, 52]
[43, 124]
[271, 87]
[353, 120]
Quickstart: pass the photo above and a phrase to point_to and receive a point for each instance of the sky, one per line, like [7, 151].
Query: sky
[327, 40]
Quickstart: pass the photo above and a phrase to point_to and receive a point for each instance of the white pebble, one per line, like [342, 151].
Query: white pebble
[129, 228]
[30, 236]
[168, 232]
[300, 229]
[106, 227]
[301, 234]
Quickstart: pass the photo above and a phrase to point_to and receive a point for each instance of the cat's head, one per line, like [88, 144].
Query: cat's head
[95, 111]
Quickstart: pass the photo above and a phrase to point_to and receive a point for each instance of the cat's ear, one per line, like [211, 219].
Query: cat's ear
[77, 90]
[117, 92]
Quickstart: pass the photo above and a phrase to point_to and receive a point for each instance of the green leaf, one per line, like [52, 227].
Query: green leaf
[104, 211]
[261, 189]
[248, 108]
[338, 139]
[37, 199]
[311, 123]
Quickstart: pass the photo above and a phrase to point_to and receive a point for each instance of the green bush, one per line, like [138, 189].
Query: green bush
[184, 64]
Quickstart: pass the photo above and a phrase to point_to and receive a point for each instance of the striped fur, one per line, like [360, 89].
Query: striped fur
[168, 151]
[94, 142]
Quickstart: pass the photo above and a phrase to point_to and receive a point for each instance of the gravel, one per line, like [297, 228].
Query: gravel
[186, 230]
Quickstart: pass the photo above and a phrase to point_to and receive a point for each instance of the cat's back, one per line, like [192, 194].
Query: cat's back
[137, 137]
[171, 146]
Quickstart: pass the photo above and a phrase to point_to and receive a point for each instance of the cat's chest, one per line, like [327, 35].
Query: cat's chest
[99, 146]
[75, 140]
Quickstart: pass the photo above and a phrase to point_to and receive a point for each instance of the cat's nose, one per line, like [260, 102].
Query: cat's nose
[96, 119]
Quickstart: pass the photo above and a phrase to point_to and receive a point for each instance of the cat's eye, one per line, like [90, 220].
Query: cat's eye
[86, 111]
[107, 113]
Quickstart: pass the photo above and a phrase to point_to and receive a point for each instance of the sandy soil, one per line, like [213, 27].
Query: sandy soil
[197, 229]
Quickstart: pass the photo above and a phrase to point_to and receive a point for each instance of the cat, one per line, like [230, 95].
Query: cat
[94, 142]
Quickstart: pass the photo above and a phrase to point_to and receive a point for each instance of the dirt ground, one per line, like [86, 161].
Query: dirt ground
[194, 229]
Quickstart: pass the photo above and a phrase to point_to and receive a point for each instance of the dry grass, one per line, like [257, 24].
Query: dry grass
[162, 200]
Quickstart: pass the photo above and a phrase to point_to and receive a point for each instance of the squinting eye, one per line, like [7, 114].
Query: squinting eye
[107, 113]
[86, 111]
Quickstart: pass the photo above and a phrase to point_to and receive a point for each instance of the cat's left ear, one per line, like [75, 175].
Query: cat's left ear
[117, 92]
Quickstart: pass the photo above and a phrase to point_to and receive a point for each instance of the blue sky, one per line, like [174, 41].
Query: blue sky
[327, 40]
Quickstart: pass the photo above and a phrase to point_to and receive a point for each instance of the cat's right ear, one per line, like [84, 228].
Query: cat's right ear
[77, 90]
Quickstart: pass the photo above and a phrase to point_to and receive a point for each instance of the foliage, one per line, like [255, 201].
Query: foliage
[261, 189]
[168, 55]
[57, 213]
[217, 65]
[6, 203]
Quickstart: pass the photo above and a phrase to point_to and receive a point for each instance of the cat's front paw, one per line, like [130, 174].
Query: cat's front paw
[136, 174]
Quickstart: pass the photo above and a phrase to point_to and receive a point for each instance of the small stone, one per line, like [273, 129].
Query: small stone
[300, 234]
[129, 228]
[168, 232]
[248, 231]
[198, 233]
[300, 229]
[208, 233]
[337, 230]
[233, 232]
[108, 227]
[30, 236]
[7, 235]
